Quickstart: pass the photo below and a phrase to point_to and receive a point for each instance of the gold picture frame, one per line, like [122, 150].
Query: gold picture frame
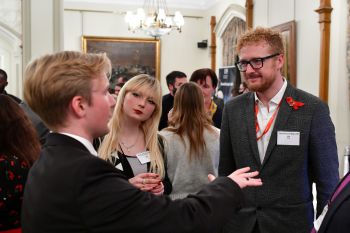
[129, 56]
[288, 31]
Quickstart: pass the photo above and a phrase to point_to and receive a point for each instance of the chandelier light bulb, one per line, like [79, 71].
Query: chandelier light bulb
[168, 22]
[153, 19]
[149, 21]
[161, 15]
[128, 16]
[179, 19]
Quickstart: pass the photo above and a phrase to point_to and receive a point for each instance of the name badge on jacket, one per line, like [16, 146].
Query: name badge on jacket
[143, 157]
[288, 138]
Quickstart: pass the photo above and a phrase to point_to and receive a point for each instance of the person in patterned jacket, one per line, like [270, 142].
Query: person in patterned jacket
[19, 147]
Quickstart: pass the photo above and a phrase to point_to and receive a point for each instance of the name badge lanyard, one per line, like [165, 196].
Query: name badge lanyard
[268, 126]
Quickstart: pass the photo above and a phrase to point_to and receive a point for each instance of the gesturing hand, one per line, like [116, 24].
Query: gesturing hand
[242, 177]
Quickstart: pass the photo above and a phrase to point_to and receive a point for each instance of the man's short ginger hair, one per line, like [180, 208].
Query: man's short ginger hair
[52, 81]
[271, 37]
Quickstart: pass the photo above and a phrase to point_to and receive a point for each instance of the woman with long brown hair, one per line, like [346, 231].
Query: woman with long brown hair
[191, 142]
[19, 148]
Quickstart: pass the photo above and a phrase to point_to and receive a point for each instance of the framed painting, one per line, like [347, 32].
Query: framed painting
[288, 31]
[129, 56]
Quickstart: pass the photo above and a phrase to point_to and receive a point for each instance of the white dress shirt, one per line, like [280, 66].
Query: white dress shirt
[84, 141]
[264, 115]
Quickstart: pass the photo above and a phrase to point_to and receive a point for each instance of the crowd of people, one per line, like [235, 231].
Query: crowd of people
[184, 162]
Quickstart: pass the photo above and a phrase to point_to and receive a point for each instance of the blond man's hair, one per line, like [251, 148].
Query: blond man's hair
[149, 86]
[271, 37]
[51, 82]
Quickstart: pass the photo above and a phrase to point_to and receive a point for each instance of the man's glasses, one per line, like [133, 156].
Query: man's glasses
[256, 63]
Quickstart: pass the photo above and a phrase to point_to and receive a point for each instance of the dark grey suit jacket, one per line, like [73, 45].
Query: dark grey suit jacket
[70, 190]
[284, 202]
[337, 217]
[39, 125]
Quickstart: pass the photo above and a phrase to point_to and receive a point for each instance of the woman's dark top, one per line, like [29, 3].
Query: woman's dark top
[122, 161]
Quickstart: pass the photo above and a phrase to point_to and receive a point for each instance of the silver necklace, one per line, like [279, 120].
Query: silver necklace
[128, 148]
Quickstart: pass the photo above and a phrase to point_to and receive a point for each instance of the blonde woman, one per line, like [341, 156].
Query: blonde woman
[133, 145]
[191, 142]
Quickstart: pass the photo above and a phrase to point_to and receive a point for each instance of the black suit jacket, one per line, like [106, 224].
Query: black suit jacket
[167, 105]
[337, 217]
[284, 202]
[39, 125]
[70, 190]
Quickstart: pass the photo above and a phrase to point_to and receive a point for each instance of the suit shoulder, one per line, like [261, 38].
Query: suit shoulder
[313, 104]
[94, 161]
[166, 97]
[308, 97]
[239, 100]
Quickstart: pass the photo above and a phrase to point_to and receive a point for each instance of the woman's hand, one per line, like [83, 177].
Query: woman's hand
[146, 181]
[158, 190]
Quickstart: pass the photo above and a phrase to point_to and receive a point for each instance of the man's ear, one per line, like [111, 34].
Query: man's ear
[280, 60]
[171, 88]
[78, 105]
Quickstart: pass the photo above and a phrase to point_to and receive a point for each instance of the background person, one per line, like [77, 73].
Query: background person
[38, 124]
[240, 86]
[133, 145]
[69, 189]
[19, 148]
[4, 83]
[119, 84]
[283, 132]
[208, 81]
[174, 80]
[191, 142]
[117, 88]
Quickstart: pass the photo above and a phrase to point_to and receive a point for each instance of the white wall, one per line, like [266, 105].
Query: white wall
[308, 47]
[274, 12]
[11, 61]
[10, 44]
[237, 9]
[178, 50]
[41, 27]
[339, 79]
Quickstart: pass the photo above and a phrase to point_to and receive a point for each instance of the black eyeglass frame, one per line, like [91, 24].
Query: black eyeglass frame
[249, 62]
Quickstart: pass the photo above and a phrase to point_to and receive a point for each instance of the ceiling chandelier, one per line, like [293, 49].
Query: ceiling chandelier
[154, 19]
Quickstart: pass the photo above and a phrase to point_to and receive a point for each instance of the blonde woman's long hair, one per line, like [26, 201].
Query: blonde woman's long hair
[189, 118]
[149, 86]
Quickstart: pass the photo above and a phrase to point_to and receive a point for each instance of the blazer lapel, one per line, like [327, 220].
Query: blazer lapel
[250, 120]
[281, 120]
